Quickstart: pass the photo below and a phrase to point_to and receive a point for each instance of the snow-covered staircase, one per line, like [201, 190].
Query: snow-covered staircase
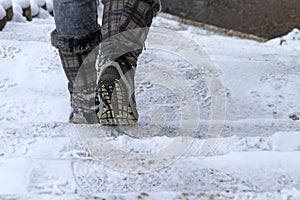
[256, 156]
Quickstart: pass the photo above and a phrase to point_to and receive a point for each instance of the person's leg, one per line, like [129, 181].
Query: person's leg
[77, 37]
[125, 26]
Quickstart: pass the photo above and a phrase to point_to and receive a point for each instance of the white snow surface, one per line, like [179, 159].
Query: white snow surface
[18, 13]
[35, 10]
[49, 4]
[40, 2]
[291, 40]
[22, 3]
[6, 3]
[256, 156]
[2, 12]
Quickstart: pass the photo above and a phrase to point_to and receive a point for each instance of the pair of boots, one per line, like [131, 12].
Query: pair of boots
[107, 96]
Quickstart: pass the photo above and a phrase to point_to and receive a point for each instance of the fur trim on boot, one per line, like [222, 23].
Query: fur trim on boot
[76, 44]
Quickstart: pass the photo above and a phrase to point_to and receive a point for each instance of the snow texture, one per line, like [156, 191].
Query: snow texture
[256, 157]
[34, 8]
[291, 40]
[18, 14]
[2, 12]
[22, 3]
[6, 4]
[40, 2]
[49, 4]
[18, 6]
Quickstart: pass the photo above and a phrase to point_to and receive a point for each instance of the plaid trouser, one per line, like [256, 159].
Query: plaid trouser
[77, 35]
[125, 25]
[82, 76]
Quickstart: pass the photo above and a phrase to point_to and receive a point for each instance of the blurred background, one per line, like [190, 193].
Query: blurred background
[264, 18]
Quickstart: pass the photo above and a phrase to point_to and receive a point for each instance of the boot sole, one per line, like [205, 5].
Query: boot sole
[119, 107]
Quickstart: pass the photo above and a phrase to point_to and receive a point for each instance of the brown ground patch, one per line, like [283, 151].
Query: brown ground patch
[264, 18]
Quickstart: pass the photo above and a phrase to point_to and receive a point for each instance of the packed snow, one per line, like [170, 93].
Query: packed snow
[22, 3]
[6, 4]
[34, 8]
[255, 156]
[49, 5]
[2, 12]
[18, 7]
[40, 3]
[290, 40]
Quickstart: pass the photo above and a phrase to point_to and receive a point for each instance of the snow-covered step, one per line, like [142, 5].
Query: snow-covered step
[26, 10]
[27, 32]
[234, 173]
[36, 5]
[58, 140]
[203, 195]
[5, 12]
[22, 10]
[254, 157]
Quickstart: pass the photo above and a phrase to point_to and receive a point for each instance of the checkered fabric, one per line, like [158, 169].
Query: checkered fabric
[155, 4]
[78, 56]
[82, 76]
[125, 26]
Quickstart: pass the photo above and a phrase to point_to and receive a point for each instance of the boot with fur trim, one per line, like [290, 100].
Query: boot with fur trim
[78, 52]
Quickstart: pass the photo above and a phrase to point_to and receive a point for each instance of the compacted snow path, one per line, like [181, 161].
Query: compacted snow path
[256, 156]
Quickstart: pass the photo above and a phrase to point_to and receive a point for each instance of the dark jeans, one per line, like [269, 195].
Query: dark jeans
[75, 17]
